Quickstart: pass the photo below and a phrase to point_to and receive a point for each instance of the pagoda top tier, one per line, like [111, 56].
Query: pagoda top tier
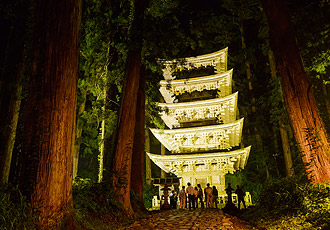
[221, 82]
[218, 161]
[217, 59]
[221, 110]
[203, 138]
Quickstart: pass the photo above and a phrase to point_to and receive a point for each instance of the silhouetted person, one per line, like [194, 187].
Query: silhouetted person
[183, 198]
[200, 195]
[191, 196]
[208, 192]
[229, 190]
[215, 196]
[240, 196]
[172, 197]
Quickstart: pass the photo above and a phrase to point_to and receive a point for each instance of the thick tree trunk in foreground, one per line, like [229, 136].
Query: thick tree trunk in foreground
[297, 91]
[138, 147]
[49, 113]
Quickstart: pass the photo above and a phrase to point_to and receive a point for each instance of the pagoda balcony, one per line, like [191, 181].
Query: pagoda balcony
[185, 164]
[214, 111]
[204, 138]
[170, 90]
[217, 59]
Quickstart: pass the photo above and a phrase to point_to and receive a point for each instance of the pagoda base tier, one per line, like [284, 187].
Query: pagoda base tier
[203, 168]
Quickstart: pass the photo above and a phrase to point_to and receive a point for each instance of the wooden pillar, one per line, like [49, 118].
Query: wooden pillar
[162, 152]
[148, 161]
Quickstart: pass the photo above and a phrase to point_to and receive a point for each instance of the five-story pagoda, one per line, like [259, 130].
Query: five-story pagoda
[204, 133]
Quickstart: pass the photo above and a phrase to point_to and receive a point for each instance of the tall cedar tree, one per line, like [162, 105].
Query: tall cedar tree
[48, 117]
[308, 128]
[127, 120]
[138, 147]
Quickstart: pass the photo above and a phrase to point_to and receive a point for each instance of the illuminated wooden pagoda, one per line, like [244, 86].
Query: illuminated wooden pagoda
[203, 134]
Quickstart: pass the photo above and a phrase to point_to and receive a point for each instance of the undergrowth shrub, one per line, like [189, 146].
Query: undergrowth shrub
[15, 212]
[281, 197]
[293, 199]
[316, 205]
[149, 191]
[95, 205]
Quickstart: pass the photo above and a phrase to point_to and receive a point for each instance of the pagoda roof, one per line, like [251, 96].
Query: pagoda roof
[219, 137]
[217, 59]
[223, 81]
[221, 161]
[223, 109]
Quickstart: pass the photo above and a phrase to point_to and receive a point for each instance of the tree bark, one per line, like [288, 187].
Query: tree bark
[122, 162]
[46, 159]
[138, 147]
[298, 95]
[286, 150]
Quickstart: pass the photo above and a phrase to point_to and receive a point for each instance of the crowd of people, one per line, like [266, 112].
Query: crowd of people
[194, 196]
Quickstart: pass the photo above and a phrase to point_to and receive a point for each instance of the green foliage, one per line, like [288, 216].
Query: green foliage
[15, 210]
[149, 191]
[292, 200]
[281, 197]
[95, 206]
[316, 205]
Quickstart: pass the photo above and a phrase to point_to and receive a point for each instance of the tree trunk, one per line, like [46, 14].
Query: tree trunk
[286, 150]
[12, 67]
[283, 132]
[49, 113]
[298, 95]
[102, 144]
[138, 147]
[79, 130]
[122, 161]
[148, 160]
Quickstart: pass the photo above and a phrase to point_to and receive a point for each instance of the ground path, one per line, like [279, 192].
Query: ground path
[194, 220]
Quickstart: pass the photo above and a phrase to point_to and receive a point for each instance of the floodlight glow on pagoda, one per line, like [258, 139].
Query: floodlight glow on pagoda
[200, 153]
[223, 109]
[221, 137]
[217, 59]
[223, 81]
[202, 162]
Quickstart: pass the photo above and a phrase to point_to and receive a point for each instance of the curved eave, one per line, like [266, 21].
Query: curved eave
[217, 59]
[200, 156]
[170, 137]
[229, 104]
[169, 163]
[210, 82]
